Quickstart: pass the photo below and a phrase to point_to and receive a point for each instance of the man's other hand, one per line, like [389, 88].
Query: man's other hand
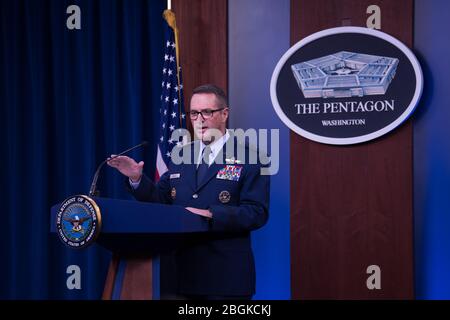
[200, 212]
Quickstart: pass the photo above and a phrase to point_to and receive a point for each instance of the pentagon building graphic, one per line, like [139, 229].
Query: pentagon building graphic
[345, 74]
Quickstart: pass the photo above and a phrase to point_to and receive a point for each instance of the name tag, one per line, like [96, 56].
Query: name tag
[174, 176]
[230, 172]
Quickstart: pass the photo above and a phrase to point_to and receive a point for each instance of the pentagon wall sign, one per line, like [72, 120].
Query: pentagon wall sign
[346, 85]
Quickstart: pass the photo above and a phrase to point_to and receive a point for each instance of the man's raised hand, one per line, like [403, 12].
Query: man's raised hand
[127, 166]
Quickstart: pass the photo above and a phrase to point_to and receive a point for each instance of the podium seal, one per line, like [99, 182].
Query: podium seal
[78, 221]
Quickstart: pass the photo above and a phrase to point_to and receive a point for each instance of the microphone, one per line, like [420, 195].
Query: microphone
[93, 192]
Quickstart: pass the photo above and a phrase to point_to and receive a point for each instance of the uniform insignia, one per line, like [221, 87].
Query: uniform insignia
[174, 175]
[232, 160]
[173, 193]
[224, 196]
[230, 172]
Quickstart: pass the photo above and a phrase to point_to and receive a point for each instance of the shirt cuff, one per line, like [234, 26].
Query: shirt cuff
[134, 185]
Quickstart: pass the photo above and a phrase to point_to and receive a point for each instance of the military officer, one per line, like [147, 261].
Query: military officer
[219, 185]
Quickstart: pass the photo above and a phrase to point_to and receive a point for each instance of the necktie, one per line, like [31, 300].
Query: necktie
[203, 166]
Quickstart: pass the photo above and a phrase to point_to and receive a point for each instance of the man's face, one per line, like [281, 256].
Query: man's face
[203, 127]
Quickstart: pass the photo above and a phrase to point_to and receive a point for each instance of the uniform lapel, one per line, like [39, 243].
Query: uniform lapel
[212, 171]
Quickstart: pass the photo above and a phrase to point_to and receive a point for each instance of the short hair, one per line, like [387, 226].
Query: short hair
[217, 91]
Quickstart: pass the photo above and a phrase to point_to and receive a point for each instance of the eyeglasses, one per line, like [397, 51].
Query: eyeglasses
[206, 114]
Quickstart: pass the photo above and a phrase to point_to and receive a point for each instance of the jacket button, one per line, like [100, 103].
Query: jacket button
[195, 196]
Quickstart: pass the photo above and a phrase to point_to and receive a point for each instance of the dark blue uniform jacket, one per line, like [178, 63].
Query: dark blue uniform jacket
[221, 262]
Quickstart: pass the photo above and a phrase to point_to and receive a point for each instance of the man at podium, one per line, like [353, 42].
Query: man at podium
[221, 184]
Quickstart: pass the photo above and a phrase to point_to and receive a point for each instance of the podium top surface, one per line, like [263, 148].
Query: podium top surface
[128, 217]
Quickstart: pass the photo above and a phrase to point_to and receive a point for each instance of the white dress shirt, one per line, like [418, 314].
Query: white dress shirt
[215, 147]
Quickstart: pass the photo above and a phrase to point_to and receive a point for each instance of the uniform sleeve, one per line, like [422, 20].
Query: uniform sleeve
[253, 209]
[148, 191]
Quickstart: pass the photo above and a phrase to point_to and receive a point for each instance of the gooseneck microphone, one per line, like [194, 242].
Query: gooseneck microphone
[93, 192]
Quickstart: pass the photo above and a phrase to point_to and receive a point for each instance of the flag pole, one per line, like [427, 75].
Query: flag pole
[169, 4]
[171, 21]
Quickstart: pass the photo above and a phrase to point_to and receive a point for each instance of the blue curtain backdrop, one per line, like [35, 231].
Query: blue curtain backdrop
[68, 99]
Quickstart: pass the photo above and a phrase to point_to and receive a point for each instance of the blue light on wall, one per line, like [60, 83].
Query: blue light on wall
[255, 45]
[432, 152]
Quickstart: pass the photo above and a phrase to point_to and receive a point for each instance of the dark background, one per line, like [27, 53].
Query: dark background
[69, 98]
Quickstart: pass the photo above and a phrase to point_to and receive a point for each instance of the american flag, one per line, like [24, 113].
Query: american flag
[172, 115]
